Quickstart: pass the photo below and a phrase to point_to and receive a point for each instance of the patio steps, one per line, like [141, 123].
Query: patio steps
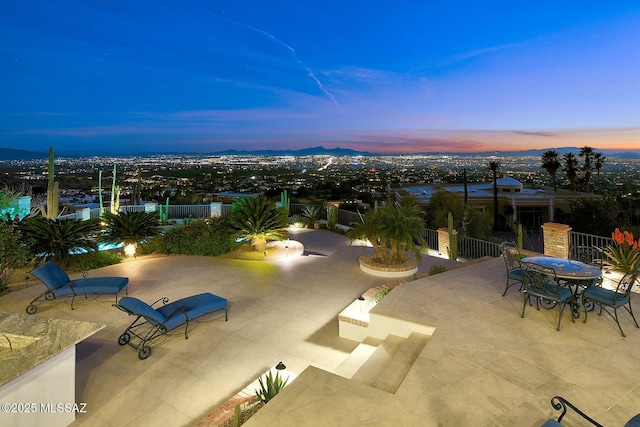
[389, 364]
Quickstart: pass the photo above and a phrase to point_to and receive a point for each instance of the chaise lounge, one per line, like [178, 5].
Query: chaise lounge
[59, 285]
[164, 318]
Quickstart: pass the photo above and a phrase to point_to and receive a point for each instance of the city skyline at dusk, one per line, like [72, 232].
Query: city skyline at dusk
[385, 78]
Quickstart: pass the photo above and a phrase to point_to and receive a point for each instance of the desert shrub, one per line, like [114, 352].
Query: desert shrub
[151, 245]
[13, 254]
[244, 414]
[91, 260]
[297, 221]
[212, 237]
[381, 294]
[437, 269]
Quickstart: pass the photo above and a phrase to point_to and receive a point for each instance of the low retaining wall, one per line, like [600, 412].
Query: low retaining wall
[409, 268]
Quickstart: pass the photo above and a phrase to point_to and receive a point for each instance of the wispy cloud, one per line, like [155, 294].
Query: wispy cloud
[464, 56]
[294, 54]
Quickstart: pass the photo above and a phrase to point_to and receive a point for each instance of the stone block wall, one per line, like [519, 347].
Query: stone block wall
[556, 239]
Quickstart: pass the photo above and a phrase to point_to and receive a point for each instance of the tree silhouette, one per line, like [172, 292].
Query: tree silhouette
[587, 167]
[551, 164]
[598, 163]
[493, 167]
[571, 168]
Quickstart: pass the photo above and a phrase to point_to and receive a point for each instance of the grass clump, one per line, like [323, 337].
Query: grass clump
[93, 259]
[437, 269]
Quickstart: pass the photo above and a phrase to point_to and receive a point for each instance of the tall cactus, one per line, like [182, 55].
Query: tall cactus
[453, 239]
[100, 193]
[285, 201]
[164, 213]
[138, 190]
[332, 217]
[115, 194]
[53, 191]
[520, 239]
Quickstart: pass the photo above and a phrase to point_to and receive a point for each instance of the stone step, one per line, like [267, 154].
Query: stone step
[387, 367]
[398, 368]
[357, 358]
[378, 361]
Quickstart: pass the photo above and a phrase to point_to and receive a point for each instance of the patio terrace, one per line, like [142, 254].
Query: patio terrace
[483, 366]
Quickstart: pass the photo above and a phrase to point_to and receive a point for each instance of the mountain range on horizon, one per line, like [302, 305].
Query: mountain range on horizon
[15, 154]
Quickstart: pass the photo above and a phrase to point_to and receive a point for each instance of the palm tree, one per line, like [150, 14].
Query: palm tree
[258, 220]
[57, 239]
[394, 230]
[130, 228]
[551, 164]
[493, 167]
[587, 168]
[598, 163]
[570, 168]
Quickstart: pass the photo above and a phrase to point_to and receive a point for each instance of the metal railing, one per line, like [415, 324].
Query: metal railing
[431, 237]
[577, 239]
[468, 247]
[471, 248]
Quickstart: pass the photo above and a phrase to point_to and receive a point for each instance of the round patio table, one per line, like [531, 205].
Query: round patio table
[577, 275]
[567, 269]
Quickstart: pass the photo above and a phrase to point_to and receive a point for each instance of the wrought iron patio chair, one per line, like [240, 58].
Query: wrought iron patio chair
[614, 299]
[541, 283]
[511, 255]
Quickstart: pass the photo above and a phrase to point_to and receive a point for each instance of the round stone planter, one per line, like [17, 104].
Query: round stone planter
[367, 265]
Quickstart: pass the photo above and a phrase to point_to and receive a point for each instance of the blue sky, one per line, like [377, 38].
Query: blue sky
[394, 77]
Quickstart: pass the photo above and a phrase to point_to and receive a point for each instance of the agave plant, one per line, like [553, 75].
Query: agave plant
[271, 386]
[56, 239]
[258, 220]
[311, 213]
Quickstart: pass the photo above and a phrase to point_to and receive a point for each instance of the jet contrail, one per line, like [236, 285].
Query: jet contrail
[295, 56]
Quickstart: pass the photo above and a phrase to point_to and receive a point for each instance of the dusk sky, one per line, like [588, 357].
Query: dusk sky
[381, 76]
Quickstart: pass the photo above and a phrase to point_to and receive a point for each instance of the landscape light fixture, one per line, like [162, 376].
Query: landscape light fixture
[280, 366]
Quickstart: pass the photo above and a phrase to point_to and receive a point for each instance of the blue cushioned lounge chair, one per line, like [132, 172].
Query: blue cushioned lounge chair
[560, 403]
[59, 285]
[153, 322]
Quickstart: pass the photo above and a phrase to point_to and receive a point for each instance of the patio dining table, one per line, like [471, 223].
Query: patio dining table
[575, 274]
[566, 269]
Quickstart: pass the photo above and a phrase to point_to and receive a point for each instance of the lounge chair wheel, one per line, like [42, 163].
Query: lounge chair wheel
[124, 339]
[144, 352]
[31, 309]
[49, 296]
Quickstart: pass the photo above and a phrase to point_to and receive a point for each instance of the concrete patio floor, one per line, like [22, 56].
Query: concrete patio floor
[484, 365]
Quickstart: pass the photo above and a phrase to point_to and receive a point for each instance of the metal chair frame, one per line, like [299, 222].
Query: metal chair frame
[620, 297]
[511, 255]
[542, 284]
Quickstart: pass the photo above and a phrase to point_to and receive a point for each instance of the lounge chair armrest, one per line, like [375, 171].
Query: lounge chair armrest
[164, 301]
[560, 403]
[183, 309]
